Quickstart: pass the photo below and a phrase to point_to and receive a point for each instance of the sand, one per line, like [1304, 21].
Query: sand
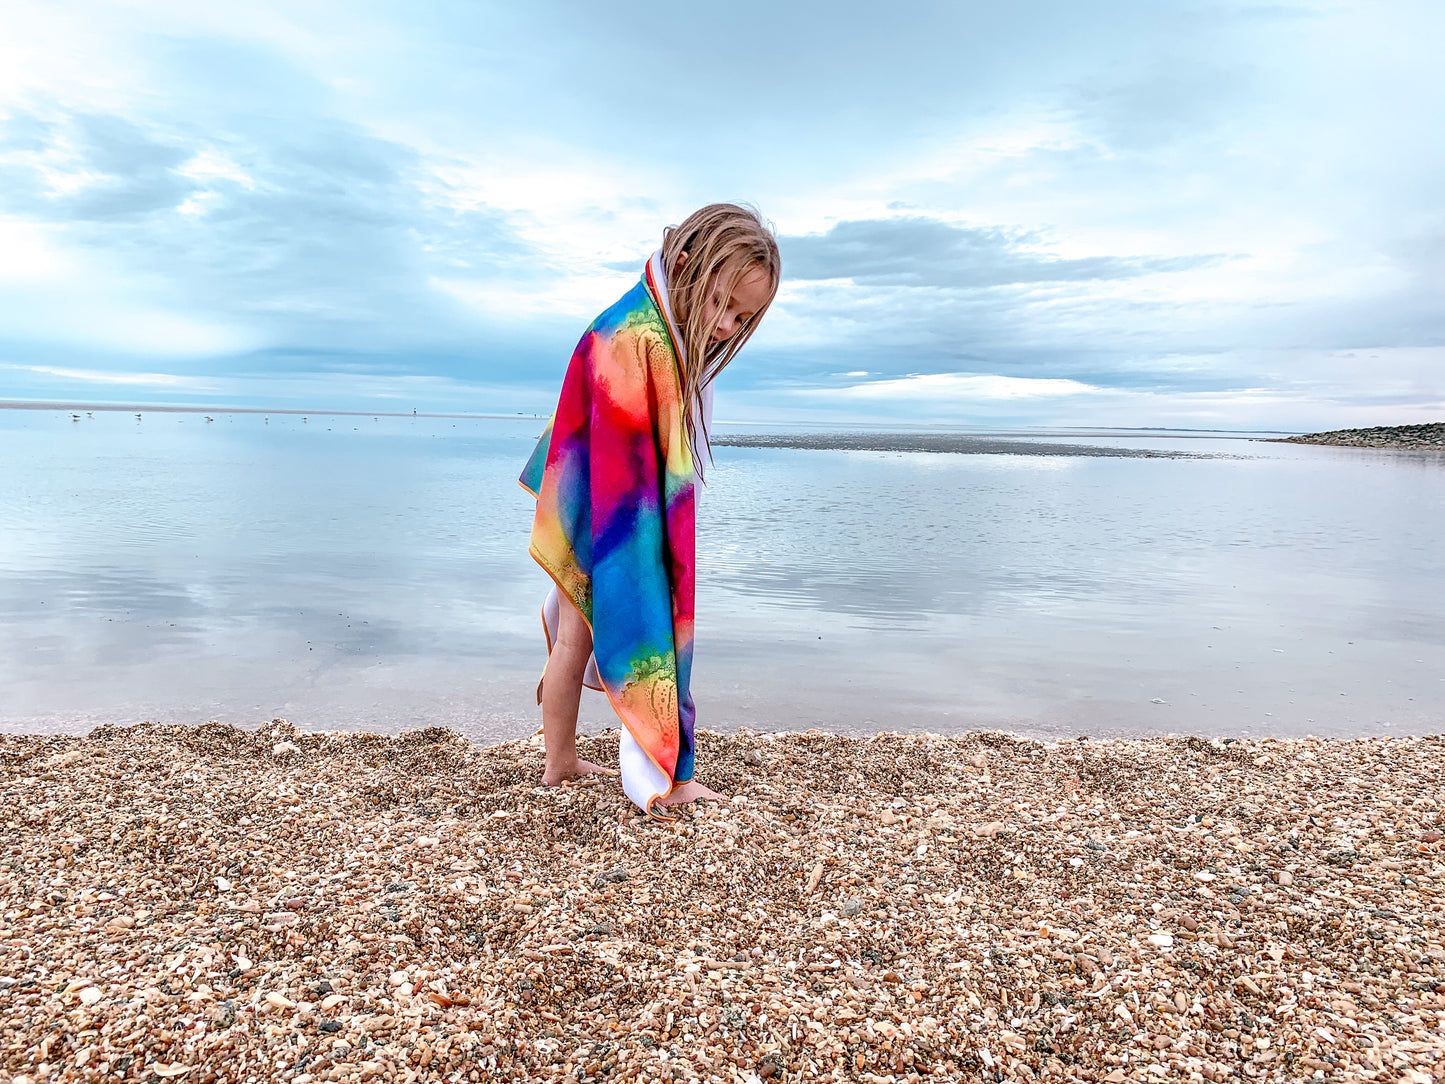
[205, 904]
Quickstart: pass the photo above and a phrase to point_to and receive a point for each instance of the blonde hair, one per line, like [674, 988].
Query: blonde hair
[709, 254]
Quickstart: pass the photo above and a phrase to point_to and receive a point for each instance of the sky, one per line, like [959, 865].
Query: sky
[1206, 215]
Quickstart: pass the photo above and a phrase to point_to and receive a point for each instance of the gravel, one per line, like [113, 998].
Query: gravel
[189, 904]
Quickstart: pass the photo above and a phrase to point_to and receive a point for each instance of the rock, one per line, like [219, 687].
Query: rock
[852, 907]
[615, 875]
[399, 978]
[1429, 435]
[279, 1001]
[752, 758]
[1284, 877]
[1431, 835]
[1162, 940]
[90, 995]
[284, 749]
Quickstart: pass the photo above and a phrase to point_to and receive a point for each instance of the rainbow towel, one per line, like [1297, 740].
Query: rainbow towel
[613, 477]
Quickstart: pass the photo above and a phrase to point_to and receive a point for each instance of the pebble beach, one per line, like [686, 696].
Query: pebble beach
[215, 904]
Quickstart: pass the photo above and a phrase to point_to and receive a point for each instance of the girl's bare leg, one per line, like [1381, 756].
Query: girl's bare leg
[561, 696]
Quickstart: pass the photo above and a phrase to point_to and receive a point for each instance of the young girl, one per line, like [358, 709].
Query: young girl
[614, 477]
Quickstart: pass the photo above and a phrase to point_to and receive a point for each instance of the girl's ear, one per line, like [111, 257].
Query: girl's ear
[680, 262]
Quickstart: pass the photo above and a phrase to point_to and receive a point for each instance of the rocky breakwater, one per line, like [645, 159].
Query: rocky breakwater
[1429, 436]
[209, 904]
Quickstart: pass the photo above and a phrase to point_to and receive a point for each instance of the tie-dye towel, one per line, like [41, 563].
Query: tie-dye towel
[613, 477]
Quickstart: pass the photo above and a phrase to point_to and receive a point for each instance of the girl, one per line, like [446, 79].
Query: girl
[614, 477]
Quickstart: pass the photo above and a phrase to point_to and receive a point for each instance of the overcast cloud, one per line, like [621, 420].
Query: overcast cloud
[1120, 213]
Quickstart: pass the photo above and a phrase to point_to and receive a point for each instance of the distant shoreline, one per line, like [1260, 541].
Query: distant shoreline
[1429, 437]
[152, 408]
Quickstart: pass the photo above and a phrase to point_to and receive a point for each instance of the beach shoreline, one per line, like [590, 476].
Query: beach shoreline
[212, 904]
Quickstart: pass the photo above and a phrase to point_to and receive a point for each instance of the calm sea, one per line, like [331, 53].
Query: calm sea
[360, 572]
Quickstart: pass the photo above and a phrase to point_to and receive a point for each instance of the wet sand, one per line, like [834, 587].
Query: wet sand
[955, 443]
[209, 904]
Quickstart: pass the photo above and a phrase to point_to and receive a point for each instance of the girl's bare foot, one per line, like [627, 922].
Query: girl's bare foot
[556, 775]
[691, 791]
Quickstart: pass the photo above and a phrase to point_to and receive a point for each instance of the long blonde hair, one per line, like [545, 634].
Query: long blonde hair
[722, 243]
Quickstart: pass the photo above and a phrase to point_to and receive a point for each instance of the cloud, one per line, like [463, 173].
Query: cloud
[962, 386]
[101, 376]
[1179, 206]
[918, 251]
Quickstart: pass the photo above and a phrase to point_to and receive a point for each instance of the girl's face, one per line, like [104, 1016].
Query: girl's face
[750, 295]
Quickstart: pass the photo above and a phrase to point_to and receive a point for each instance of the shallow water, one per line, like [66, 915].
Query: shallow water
[359, 572]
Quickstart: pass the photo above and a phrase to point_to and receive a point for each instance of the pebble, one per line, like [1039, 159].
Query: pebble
[1023, 912]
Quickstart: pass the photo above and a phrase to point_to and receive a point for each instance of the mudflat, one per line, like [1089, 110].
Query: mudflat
[954, 443]
[216, 904]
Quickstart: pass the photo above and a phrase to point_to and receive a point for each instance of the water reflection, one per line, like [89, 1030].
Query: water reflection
[375, 575]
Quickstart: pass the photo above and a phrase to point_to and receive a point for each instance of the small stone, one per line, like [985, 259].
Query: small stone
[615, 875]
[90, 995]
[284, 749]
[852, 907]
[1431, 835]
[223, 885]
[753, 758]
[279, 1001]
[1284, 877]
[1162, 940]
[399, 978]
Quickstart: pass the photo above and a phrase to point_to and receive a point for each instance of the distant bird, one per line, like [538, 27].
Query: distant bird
[88, 414]
[303, 419]
[75, 417]
[137, 417]
[209, 418]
